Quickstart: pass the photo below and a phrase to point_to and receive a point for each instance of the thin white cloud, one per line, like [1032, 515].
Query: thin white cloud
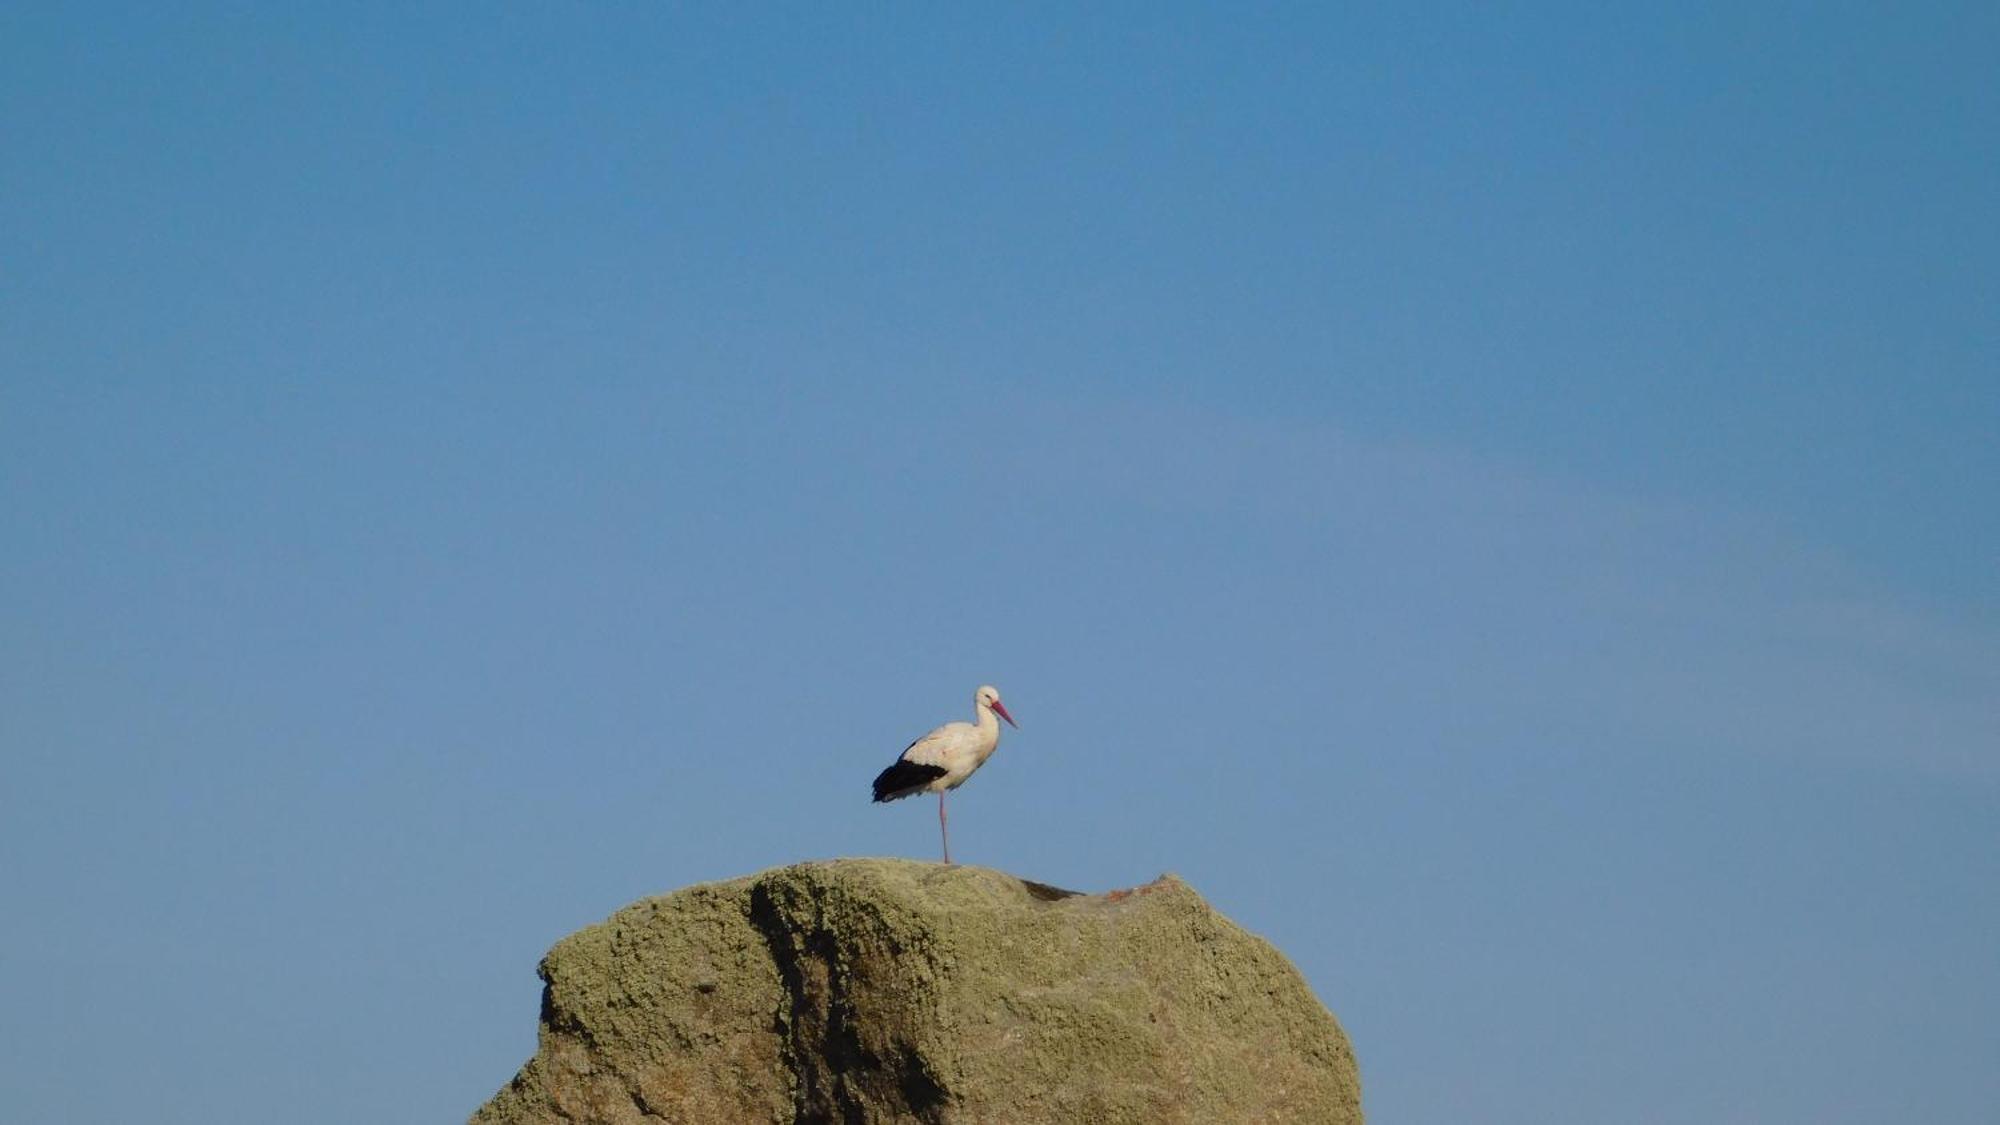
[1639, 620]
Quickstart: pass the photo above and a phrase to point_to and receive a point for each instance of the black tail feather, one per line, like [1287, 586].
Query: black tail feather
[905, 778]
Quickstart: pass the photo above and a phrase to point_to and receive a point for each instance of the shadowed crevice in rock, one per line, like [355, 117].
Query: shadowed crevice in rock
[921, 1091]
[1042, 892]
[839, 1076]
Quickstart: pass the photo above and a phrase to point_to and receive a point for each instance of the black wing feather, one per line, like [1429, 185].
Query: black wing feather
[905, 778]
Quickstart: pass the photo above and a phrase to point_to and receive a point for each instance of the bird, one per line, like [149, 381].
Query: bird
[943, 759]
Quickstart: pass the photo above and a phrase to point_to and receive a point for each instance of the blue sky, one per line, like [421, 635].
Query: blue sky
[1504, 503]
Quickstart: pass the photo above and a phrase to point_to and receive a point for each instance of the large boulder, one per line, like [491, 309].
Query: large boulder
[877, 990]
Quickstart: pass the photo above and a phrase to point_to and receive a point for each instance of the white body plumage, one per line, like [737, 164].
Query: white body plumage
[943, 759]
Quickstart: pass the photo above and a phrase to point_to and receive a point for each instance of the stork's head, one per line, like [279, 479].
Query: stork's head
[989, 696]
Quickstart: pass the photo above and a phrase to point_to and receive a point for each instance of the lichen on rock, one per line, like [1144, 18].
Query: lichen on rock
[863, 991]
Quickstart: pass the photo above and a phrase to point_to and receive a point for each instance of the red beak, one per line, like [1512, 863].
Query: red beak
[1001, 710]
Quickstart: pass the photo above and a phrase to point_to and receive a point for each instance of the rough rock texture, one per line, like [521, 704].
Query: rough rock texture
[877, 990]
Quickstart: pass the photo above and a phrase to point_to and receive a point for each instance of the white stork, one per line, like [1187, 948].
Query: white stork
[944, 758]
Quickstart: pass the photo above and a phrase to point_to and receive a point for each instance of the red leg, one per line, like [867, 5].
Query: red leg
[943, 832]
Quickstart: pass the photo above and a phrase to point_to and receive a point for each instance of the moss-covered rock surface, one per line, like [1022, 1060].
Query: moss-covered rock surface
[877, 990]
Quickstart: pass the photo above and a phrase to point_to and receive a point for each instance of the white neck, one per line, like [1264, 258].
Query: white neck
[987, 722]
